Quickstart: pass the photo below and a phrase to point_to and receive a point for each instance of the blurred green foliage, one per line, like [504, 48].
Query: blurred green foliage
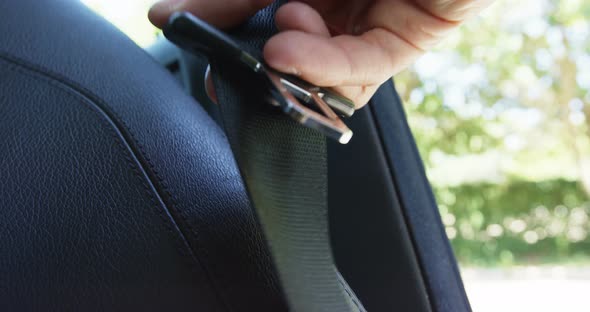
[501, 115]
[516, 222]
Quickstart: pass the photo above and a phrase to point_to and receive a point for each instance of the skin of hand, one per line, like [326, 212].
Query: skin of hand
[352, 46]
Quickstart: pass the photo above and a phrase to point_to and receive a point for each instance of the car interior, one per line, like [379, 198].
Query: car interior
[120, 189]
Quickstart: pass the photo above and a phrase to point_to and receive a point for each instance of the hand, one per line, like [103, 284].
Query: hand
[350, 45]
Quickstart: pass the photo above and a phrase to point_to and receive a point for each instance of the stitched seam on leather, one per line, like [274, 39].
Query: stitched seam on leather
[352, 297]
[125, 151]
[173, 204]
[184, 219]
[63, 84]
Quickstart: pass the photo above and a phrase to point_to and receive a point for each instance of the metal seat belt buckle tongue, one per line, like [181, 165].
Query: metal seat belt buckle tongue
[321, 108]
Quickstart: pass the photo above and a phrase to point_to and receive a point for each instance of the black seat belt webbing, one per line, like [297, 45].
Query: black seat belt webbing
[284, 167]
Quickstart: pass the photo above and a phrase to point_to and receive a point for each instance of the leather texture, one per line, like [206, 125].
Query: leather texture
[118, 192]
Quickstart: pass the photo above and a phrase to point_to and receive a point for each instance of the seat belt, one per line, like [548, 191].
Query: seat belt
[284, 168]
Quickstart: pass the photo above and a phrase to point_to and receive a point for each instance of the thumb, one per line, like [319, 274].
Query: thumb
[220, 13]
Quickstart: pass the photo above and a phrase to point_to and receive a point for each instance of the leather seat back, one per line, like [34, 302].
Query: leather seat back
[117, 190]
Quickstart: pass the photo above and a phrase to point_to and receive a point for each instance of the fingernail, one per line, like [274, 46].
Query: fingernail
[291, 70]
[167, 6]
[282, 66]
